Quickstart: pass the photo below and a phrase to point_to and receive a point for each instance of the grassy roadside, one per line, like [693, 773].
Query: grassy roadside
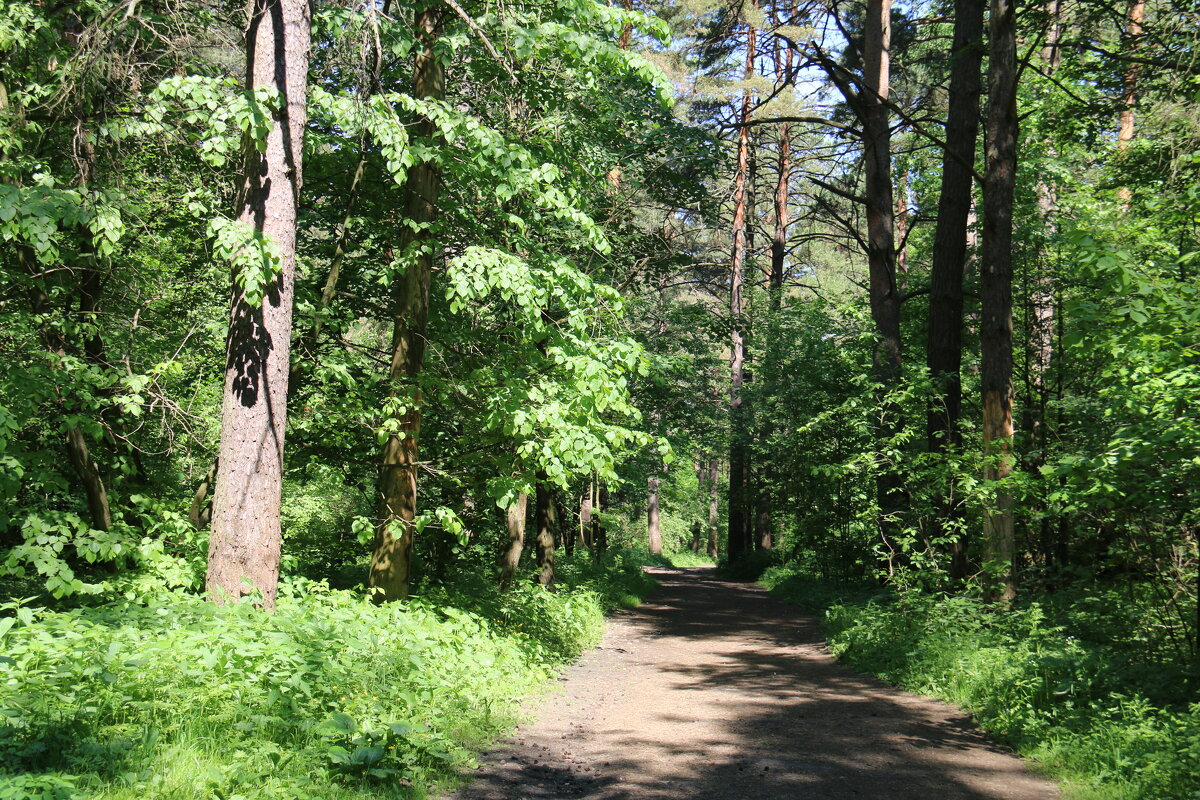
[331, 698]
[1109, 722]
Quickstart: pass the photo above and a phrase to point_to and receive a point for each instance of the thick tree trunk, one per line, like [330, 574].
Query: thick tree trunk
[881, 248]
[244, 547]
[950, 254]
[391, 561]
[585, 514]
[697, 537]
[546, 520]
[739, 529]
[514, 521]
[996, 293]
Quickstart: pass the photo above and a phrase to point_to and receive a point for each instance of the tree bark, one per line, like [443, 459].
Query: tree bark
[391, 561]
[200, 512]
[1125, 127]
[714, 507]
[514, 519]
[996, 294]
[546, 520]
[950, 256]
[739, 529]
[881, 248]
[1042, 306]
[599, 527]
[653, 530]
[244, 547]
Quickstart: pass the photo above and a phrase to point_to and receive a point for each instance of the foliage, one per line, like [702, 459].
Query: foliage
[332, 696]
[1058, 682]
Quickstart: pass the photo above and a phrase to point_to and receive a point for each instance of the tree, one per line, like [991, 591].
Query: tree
[391, 561]
[944, 351]
[244, 548]
[996, 327]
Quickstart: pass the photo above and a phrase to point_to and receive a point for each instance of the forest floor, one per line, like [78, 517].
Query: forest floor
[714, 689]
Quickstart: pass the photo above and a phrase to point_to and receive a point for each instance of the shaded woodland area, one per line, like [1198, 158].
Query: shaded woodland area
[423, 325]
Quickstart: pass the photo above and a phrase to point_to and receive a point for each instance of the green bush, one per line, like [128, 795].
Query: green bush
[1111, 727]
[330, 697]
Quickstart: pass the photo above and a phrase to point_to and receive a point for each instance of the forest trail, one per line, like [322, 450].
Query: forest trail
[713, 689]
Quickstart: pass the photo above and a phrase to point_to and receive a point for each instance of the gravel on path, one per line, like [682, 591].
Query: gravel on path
[713, 689]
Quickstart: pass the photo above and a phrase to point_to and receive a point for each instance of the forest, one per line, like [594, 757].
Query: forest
[357, 355]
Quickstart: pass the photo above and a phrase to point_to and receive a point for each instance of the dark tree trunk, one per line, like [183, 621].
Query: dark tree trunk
[391, 561]
[950, 255]
[244, 548]
[996, 291]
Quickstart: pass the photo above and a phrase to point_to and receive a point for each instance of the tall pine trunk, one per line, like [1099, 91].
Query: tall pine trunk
[714, 507]
[1125, 127]
[244, 547]
[391, 561]
[739, 518]
[996, 327]
[881, 248]
[950, 257]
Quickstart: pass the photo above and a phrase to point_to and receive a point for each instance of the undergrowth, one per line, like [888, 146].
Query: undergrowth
[331, 697]
[1109, 721]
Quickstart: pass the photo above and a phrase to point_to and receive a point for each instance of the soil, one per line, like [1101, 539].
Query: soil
[713, 689]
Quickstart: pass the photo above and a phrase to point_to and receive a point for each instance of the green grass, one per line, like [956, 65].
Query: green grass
[1091, 714]
[331, 697]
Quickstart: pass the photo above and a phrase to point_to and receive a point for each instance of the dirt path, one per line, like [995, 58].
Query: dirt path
[715, 690]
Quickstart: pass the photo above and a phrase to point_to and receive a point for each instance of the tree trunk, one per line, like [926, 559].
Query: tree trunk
[881, 248]
[514, 520]
[585, 514]
[996, 293]
[950, 256]
[739, 533]
[653, 531]
[200, 512]
[697, 537]
[782, 216]
[546, 520]
[1042, 305]
[714, 507]
[599, 527]
[1125, 129]
[244, 548]
[391, 561]
[74, 441]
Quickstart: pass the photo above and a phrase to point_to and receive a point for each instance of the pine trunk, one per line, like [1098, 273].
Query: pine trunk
[653, 530]
[881, 249]
[244, 547]
[739, 529]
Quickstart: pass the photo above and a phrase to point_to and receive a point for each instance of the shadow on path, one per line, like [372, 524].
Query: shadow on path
[714, 689]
